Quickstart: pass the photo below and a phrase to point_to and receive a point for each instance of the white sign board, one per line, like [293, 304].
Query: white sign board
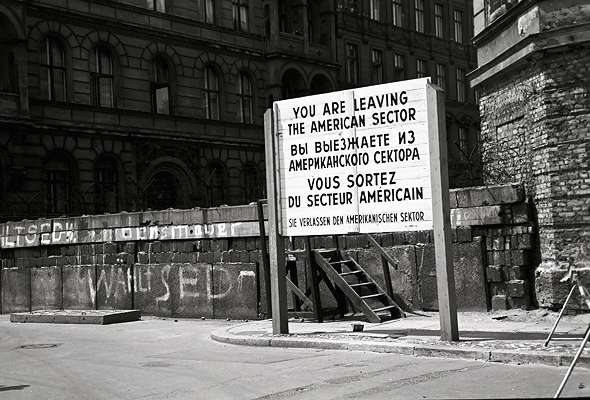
[355, 161]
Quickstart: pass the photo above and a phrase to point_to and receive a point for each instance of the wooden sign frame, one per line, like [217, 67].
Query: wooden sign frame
[441, 219]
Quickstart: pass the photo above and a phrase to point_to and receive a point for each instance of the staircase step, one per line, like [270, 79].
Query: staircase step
[351, 273]
[372, 295]
[362, 284]
[325, 251]
[383, 308]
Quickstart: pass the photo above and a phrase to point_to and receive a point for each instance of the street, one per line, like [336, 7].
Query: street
[169, 359]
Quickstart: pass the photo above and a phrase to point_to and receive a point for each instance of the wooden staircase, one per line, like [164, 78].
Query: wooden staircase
[356, 284]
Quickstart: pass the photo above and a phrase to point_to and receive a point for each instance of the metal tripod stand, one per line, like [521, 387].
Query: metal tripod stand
[576, 283]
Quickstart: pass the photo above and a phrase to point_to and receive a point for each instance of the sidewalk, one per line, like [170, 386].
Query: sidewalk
[512, 336]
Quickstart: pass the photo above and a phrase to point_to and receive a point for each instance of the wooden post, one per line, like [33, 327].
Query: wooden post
[445, 276]
[278, 284]
[265, 258]
[340, 296]
[313, 281]
[385, 261]
[293, 278]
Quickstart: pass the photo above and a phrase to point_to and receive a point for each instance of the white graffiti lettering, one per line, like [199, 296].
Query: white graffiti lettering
[188, 281]
[165, 272]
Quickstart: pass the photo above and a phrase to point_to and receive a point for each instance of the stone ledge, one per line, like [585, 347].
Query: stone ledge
[478, 196]
[92, 317]
[474, 216]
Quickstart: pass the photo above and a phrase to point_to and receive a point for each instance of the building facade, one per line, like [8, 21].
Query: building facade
[150, 104]
[533, 77]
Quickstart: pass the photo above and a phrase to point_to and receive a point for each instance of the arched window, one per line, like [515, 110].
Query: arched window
[161, 86]
[162, 191]
[320, 84]
[215, 184]
[53, 70]
[245, 98]
[292, 84]
[102, 78]
[212, 93]
[107, 185]
[59, 184]
[251, 183]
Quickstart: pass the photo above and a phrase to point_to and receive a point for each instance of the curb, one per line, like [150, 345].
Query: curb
[416, 350]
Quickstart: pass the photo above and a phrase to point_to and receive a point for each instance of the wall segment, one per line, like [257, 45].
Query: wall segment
[206, 262]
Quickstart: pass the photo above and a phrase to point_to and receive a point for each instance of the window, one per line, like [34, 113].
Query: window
[245, 98]
[59, 186]
[376, 66]
[8, 79]
[251, 183]
[161, 87]
[462, 138]
[399, 67]
[439, 20]
[216, 184]
[284, 21]
[211, 93]
[102, 78]
[421, 69]
[209, 11]
[291, 18]
[352, 63]
[441, 79]
[460, 85]
[496, 8]
[419, 15]
[53, 70]
[267, 21]
[107, 182]
[397, 10]
[157, 5]
[458, 24]
[375, 9]
[240, 14]
[293, 84]
[163, 191]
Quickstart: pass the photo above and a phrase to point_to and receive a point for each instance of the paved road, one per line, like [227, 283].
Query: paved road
[163, 359]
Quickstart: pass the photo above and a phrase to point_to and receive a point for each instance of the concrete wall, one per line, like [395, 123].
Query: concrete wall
[206, 262]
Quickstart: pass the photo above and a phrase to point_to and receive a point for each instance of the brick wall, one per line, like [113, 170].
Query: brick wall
[535, 129]
[207, 262]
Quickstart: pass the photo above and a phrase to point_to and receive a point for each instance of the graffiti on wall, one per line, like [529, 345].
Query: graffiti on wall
[34, 233]
[164, 289]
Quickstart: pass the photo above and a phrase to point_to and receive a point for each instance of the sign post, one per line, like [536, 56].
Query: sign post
[445, 276]
[276, 242]
[360, 160]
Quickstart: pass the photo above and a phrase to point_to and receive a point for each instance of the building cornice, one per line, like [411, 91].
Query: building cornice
[117, 25]
[515, 56]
